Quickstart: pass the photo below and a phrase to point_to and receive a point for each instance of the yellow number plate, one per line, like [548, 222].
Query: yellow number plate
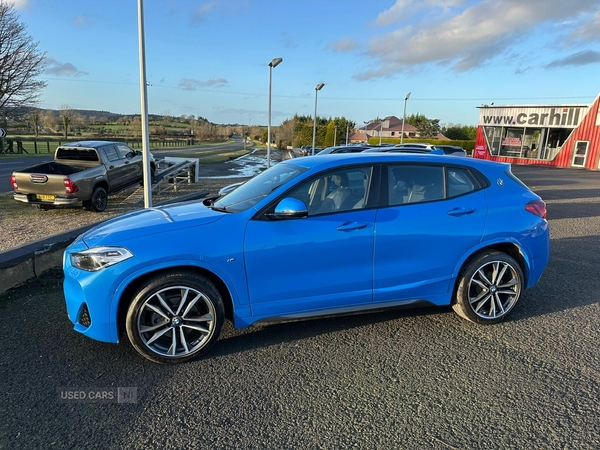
[48, 198]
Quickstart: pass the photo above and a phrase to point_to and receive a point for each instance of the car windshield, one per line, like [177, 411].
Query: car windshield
[257, 188]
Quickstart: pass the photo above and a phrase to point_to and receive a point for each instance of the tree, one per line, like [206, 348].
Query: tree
[20, 63]
[329, 134]
[427, 128]
[36, 121]
[460, 132]
[66, 115]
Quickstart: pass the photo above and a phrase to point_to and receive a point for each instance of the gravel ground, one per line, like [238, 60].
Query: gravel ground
[23, 224]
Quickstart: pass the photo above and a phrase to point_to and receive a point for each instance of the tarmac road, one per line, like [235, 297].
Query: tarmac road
[403, 379]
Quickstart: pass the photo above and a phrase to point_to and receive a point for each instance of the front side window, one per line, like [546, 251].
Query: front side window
[124, 150]
[335, 191]
[257, 188]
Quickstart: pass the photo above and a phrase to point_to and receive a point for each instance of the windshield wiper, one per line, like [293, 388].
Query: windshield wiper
[219, 208]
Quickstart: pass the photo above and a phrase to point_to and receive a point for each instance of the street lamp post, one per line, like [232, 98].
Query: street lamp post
[274, 63]
[380, 131]
[144, 110]
[366, 135]
[404, 117]
[317, 89]
[334, 135]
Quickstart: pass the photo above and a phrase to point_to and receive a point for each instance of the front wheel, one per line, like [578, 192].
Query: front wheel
[175, 318]
[489, 288]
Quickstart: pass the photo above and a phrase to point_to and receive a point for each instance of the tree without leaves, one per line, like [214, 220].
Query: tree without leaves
[20, 63]
[67, 115]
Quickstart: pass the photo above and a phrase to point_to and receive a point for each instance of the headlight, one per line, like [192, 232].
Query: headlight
[100, 257]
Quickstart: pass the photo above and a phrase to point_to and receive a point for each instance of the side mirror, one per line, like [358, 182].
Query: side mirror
[290, 208]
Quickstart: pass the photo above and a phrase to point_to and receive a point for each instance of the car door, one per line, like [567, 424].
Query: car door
[425, 230]
[132, 164]
[116, 170]
[320, 262]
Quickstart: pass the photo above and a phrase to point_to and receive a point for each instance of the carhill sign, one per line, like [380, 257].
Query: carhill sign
[2, 132]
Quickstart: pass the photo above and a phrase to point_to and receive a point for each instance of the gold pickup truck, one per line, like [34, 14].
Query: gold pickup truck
[85, 172]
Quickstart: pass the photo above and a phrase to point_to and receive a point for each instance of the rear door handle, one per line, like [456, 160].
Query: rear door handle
[352, 226]
[460, 211]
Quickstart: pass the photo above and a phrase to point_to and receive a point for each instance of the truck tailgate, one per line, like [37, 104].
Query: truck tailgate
[40, 183]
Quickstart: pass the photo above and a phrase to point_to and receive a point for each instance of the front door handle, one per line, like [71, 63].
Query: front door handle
[349, 226]
[460, 211]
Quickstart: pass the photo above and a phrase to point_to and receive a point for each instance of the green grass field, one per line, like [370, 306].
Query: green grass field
[45, 146]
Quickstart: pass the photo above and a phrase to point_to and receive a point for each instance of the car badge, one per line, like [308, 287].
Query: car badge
[500, 182]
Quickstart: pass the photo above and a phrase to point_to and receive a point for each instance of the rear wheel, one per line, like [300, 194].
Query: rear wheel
[97, 201]
[489, 288]
[175, 318]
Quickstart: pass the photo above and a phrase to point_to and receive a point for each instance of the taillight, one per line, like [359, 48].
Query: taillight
[13, 182]
[70, 187]
[537, 207]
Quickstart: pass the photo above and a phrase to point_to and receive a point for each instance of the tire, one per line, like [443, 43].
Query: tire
[175, 318]
[98, 200]
[490, 286]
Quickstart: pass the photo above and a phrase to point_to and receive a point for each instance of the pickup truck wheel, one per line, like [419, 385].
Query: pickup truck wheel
[98, 200]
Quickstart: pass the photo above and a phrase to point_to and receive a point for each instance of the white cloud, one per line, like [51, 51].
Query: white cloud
[588, 30]
[19, 4]
[577, 59]
[466, 35]
[190, 84]
[55, 67]
[403, 10]
[81, 20]
[346, 44]
[201, 12]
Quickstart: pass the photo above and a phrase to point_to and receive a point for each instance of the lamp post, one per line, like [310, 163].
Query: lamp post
[366, 135]
[318, 87]
[404, 117]
[144, 110]
[334, 135]
[274, 63]
[380, 131]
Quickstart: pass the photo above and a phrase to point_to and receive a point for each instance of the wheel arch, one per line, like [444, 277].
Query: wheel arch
[509, 248]
[100, 183]
[127, 296]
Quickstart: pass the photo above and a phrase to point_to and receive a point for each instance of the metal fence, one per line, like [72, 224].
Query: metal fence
[48, 146]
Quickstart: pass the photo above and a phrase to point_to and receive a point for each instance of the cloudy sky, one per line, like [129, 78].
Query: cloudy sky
[210, 58]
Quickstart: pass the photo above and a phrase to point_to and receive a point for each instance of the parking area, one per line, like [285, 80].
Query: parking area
[399, 379]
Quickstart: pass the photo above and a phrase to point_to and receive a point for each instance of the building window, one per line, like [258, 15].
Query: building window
[533, 143]
[580, 154]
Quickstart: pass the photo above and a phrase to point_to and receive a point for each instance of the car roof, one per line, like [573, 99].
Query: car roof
[89, 144]
[324, 162]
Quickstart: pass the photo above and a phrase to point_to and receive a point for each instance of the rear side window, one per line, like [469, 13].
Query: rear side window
[77, 154]
[460, 181]
[111, 153]
[413, 183]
